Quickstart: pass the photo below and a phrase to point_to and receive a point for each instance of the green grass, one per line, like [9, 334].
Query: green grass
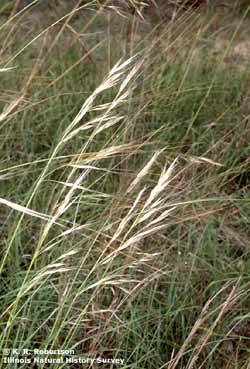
[104, 249]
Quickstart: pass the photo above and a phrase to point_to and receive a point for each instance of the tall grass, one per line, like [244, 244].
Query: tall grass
[124, 184]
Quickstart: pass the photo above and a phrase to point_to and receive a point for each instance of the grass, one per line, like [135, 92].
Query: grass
[124, 181]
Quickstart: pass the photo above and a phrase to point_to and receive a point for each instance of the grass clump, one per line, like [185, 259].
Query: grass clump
[124, 182]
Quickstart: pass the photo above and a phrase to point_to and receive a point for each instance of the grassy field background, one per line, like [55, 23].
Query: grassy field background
[124, 184]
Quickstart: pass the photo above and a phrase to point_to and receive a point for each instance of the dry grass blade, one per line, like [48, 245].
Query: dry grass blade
[161, 185]
[125, 221]
[232, 297]
[230, 301]
[25, 210]
[2, 70]
[202, 159]
[110, 121]
[162, 216]
[133, 240]
[144, 171]
[57, 268]
[9, 108]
